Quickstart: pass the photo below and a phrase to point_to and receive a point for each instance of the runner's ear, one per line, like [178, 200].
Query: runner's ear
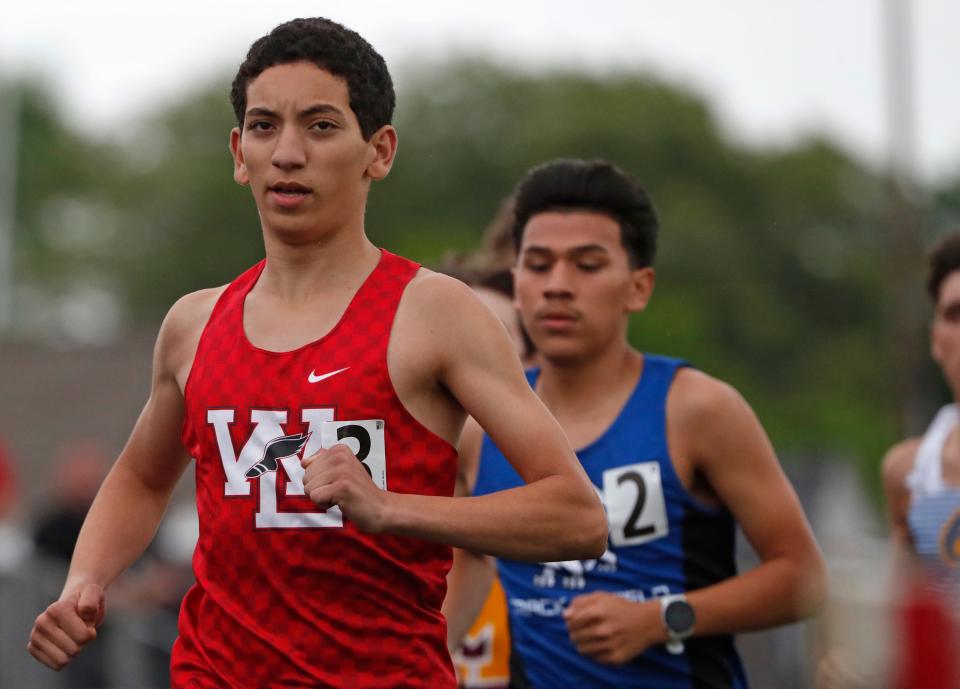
[642, 281]
[240, 174]
[383, 149]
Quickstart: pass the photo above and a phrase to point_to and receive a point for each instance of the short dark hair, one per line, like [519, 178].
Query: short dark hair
[943, 258]
[591, 185]
[331, 47]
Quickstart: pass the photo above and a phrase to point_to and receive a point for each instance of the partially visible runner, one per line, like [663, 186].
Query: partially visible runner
[921, 478]
[320, 394]
[678, 458]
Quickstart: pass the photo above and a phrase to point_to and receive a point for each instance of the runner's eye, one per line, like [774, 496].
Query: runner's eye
[537, 266]
[951, 313]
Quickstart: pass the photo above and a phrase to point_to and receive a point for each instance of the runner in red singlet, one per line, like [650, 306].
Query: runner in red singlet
[315, 569]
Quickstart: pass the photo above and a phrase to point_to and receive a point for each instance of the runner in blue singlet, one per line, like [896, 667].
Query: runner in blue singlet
[677, 456]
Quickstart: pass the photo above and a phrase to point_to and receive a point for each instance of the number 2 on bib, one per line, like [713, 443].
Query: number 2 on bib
[633, 496]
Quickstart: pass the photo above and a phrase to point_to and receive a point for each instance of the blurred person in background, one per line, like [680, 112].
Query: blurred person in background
[678, 458]
[15, 545]
[150, 592]
[301, 390]
[15, 549]
[78, 471]
[921, 475]
[921, 480]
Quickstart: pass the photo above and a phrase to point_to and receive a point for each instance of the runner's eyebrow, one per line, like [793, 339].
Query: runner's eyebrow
[261, 112]
[573, 251]
[321, 109]
[587, 249]
[949, 307]
[317, 109]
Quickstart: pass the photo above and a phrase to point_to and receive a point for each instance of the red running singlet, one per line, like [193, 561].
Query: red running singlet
[286, 595]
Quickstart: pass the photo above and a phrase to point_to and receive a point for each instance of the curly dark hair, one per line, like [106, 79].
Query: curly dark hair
[332, 47]
[590, 185]
[943, 258]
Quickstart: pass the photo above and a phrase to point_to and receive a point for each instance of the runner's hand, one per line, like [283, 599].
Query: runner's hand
[611, 629]
[336, 477]
[66, 626]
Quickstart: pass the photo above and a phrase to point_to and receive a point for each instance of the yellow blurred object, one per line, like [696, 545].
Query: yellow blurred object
[483, 659]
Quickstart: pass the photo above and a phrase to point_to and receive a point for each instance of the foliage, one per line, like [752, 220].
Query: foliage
[772, 264]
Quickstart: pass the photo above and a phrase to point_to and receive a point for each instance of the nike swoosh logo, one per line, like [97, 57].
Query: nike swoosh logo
[313, 378]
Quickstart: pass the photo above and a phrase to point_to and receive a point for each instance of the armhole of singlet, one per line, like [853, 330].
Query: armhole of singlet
[695, 502]
[215, 311]
[386, 359]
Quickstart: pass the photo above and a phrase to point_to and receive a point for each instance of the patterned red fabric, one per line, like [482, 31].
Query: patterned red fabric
[286, 596]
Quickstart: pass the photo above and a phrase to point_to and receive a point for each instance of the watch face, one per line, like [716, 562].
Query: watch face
[678, 616]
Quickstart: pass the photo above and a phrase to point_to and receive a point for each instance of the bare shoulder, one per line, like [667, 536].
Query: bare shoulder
[446, 313]
[192, 310]
[898, 462]
[712, 427]
[431, 292]
[181, 330]
[696, 398]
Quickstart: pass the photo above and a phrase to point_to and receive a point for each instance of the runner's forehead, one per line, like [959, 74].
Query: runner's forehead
[577, 251]
[563, 232]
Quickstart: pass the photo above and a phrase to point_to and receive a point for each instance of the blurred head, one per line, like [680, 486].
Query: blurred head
[496, 249]
[333, 48]
[9, 492]
[79, 469]
[943, 286]
[495, 289]
[585, 233]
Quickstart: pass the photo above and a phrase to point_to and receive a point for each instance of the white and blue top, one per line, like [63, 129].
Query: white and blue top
[933, 518]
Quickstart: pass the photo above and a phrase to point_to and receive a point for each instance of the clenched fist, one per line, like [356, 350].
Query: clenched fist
[336, 477]
[66, 626]
[610, 629]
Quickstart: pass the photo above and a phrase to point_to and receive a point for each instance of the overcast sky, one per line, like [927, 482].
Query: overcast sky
[773, 70]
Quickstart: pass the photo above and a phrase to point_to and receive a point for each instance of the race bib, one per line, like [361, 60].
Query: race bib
[633, 496]
[365, 439]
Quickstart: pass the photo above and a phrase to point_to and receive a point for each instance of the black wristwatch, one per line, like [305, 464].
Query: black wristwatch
[678, 618]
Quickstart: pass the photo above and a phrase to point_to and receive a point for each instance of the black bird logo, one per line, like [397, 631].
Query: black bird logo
[277, 449]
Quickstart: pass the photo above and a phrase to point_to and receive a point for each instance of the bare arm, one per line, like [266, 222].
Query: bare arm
[897, 464]
[129, 505]
[468, 585]
[730, 448]
[713, 427]
[465, 350]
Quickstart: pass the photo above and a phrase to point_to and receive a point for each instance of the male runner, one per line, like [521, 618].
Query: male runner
[678, 457]
[921, 478]
[333, 351]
